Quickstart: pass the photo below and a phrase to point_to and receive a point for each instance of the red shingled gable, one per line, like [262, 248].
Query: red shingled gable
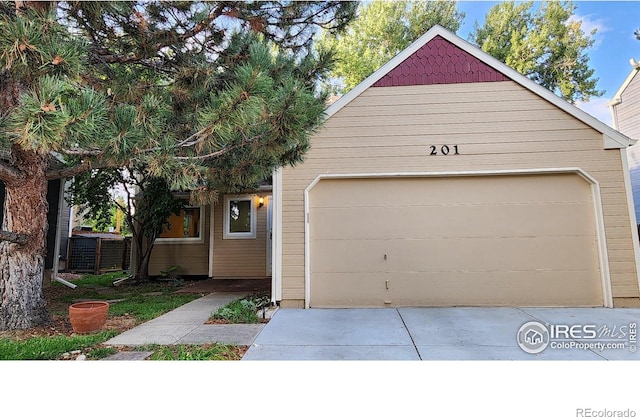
[440, 62]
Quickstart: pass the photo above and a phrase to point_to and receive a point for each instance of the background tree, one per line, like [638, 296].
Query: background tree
[182, 89]
[381, 30]
[545, 44]
[146, 214]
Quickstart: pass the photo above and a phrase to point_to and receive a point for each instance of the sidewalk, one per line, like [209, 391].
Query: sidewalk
[185, 325]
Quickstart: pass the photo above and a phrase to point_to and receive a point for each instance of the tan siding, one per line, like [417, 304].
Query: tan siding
[497, 126]
[240, 258]
[193, 258]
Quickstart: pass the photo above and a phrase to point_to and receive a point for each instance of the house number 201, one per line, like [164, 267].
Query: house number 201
[444, 150]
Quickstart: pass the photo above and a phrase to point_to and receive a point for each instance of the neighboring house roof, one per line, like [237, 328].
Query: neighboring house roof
[471, 65]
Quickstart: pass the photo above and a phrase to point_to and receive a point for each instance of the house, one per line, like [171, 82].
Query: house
[230, 239]
[58, 231]
[625, 114]
[446, 178]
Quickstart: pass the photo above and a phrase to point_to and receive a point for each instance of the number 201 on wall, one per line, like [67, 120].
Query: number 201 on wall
[444, 150]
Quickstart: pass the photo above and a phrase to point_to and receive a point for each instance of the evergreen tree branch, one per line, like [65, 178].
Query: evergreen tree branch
[246, 141]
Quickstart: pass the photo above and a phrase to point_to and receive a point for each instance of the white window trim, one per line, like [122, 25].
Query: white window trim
[199, 239]
[239, 235]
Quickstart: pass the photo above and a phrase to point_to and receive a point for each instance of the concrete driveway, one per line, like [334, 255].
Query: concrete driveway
[456, 333]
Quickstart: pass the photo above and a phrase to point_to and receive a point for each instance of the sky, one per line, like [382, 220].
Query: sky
[615, 44]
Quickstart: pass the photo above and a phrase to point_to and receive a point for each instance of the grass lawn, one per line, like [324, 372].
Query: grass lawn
[130, 304]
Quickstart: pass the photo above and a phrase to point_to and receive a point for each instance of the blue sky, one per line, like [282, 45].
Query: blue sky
[615, 42]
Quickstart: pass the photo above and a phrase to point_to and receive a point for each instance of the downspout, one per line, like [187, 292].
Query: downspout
[56, 261]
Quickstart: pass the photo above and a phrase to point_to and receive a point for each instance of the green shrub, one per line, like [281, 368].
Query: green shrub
[243, 310]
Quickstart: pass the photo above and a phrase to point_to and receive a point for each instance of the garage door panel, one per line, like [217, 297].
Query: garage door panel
[496, 288]
[349, 193]
[486, 189]
[356, 223]
[484, 254]
[496, 220]
[527, 240]
[346, 290]
[347, 256]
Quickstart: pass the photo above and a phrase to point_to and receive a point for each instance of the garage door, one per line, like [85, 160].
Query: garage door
[512, 240]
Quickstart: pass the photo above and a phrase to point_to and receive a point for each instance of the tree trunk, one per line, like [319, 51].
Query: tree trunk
[143, 258]
[22, 304]
[141, 265]
[143, 269]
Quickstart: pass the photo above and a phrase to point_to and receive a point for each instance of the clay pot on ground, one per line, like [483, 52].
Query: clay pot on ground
[88, 316]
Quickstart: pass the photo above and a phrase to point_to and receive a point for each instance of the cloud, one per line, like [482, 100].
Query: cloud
[588, 23]
[597, 108]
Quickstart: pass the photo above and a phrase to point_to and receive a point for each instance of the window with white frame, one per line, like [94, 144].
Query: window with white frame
[239, 217]
[187, 226]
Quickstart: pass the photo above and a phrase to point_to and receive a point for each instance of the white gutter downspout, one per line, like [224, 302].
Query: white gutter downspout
[62, 281]
[56, 250]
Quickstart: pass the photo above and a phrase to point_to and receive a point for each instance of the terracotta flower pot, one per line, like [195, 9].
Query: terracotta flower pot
[88, 316]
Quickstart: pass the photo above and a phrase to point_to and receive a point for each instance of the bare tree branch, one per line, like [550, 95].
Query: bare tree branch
[9, 173]
[83, 152]
[104, 55]
[78, 169]
[18, 238]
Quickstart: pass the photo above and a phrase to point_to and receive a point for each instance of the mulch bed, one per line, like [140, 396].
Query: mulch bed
[60, 326]
[226, 285]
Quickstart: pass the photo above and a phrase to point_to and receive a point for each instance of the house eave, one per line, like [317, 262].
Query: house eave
[617, 97]
[612, 138]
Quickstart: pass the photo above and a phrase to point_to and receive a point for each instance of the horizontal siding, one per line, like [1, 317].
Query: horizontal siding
[240, 258]
[627, 111]
[235, 258]
[635, 185]
[497, 126]
[193, 258]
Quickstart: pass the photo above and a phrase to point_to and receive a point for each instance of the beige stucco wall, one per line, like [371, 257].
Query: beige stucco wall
[497, 126]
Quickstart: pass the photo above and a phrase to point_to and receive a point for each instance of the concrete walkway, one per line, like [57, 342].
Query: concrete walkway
[433, 334]
[185, 325]
[456, 333]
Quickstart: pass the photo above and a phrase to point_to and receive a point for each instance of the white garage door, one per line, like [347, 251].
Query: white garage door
[513, 240]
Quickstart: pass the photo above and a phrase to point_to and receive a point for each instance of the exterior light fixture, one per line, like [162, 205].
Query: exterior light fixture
[260, 201]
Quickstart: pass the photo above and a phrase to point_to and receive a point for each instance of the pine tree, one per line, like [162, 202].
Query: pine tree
[203, 94]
